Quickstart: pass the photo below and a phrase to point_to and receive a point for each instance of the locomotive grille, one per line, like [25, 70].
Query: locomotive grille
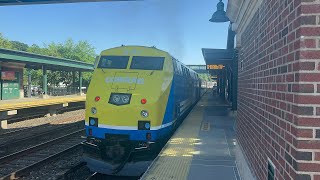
[116, 137]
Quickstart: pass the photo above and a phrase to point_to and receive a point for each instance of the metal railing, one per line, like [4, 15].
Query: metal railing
[62, 91]
[54, 91]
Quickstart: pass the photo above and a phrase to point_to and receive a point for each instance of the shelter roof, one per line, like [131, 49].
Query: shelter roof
[36, 61]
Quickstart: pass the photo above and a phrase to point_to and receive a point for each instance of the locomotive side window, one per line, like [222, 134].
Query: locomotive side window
[147, 63]
[113, 62]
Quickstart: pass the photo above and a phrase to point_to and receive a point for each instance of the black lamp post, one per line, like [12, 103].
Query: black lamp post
[220, 14]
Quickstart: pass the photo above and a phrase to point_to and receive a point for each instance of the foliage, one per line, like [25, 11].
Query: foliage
[80, 51]
[205, 77]
[5, 43]
[19, 46]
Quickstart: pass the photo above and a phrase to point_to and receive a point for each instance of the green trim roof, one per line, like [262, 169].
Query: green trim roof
[36, 61]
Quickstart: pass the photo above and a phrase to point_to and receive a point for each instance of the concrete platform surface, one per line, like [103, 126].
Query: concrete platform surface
[7, 105]
[202, 148]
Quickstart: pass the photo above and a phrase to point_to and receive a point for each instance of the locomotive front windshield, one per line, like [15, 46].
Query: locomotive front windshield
[113, 62]
[138, 62]
[147, 63]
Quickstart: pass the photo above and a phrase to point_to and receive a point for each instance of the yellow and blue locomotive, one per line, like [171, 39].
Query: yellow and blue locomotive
[136, 99]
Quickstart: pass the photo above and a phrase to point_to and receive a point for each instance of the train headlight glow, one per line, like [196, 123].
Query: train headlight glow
[93, 110]
[147, 125]
[125, 99]
[144, 114]
[119, 99]
[92, 122]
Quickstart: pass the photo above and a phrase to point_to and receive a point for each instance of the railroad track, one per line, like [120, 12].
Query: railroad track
[97, 176]
[20, 163]
[26, 116]
[73, 171]
[29, 138]
[71, 108]
[9, 133]
[22, 131]
[41, 113]
[93, 176]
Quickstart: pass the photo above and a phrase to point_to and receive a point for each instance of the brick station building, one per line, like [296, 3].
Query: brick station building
[278, 118]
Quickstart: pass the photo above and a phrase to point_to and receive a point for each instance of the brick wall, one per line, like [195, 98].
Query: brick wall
[279, 89]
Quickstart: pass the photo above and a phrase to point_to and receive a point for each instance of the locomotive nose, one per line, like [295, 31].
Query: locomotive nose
[124, 80]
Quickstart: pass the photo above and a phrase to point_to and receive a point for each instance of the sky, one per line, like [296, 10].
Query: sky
[180, 27]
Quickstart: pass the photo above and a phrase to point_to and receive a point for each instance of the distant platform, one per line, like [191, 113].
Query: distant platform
[8, 105]
[203, 147]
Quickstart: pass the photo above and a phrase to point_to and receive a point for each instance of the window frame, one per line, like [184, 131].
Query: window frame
[100, 61]
[162, 65]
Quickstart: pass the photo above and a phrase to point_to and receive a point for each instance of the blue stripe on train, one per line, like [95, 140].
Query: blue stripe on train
[178, 92]
[134, 135]
[168, 115]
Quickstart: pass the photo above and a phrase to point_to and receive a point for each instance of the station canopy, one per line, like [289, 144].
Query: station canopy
[217, 59]
[217, 56]
[26, 2]
[35, 61]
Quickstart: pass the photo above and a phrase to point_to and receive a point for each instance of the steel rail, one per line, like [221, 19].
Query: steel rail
[37, 135]
[16, 155]
[25, 170]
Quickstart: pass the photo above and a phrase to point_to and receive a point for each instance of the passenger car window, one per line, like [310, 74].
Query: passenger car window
[147, 63]
[113, 62]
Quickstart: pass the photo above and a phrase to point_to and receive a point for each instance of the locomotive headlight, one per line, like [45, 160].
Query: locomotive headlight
[119, 99]
[144, 113]
[92, 122]
[116, 98]
[93, 110]
[147, 125]
[125, 99]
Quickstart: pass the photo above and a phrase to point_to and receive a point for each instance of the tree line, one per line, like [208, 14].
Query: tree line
[79, 51]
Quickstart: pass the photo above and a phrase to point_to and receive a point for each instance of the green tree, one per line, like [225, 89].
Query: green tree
[16, 45]
[79, 51]
[36, 49]
[54, 78]
[4, 42]
[205, 77]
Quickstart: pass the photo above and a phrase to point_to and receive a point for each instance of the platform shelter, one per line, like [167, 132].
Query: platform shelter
[12, 64]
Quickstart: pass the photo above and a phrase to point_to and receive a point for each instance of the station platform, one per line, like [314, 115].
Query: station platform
[203, 147]
[8, 105]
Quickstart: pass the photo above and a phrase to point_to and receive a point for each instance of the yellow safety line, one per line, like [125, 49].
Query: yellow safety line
[175, 159]
[39, 102]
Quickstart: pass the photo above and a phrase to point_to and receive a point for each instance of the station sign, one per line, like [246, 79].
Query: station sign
[215, 66]
[8, 75]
